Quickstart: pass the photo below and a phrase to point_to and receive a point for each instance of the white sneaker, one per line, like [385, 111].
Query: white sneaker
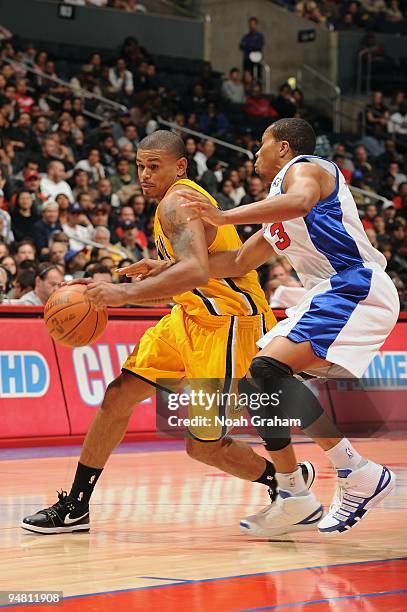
[357, 492]
[285, 515]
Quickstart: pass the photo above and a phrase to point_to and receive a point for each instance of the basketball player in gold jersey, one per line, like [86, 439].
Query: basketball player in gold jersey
[211, 333]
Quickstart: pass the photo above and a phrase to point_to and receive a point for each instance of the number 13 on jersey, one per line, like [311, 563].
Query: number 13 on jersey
[283, 239]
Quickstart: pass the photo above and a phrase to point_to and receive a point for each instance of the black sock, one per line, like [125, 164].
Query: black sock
[84, 483]
[267, 478]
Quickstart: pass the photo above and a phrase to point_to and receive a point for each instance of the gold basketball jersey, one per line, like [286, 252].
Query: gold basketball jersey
[226, 296]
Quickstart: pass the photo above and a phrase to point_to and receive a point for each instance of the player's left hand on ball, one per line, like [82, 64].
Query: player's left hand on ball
[102, 294]
[200, 207]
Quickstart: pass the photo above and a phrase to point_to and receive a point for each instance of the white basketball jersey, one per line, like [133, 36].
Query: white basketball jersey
[329, 239]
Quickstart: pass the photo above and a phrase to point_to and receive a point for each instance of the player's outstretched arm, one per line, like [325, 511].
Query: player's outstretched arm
[188, 243]
[302, 192]
[252, 254]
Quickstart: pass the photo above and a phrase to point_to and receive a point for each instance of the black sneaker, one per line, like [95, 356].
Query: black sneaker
[308, 473]
[65, 516]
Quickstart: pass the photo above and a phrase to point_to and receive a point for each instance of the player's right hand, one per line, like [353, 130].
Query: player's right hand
[144, 268]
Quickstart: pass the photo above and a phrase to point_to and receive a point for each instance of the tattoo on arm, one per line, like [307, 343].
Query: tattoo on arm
[180, 234]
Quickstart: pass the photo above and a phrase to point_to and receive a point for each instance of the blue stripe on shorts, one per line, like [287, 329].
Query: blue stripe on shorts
[330, 311]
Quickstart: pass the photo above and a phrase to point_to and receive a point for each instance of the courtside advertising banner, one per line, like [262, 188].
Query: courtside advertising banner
[32, 401]
[50, 390]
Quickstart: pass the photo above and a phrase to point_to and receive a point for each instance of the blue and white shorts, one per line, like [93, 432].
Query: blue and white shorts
[346, 318]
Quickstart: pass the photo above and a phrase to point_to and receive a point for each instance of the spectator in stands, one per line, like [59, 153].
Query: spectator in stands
[390, 155]
[260, 111]
[252, 41]
[130, 137]
[197, 102]
[43, 229]
[399, 177]
[5, 227]
[24, 100]
[192, 169]
[25, 251]
[138, 204]
[207, 151]
[397, 126]
[121, 79]
[75, 261]
[8, 262]
[4, 248]
[233, 89]
[379, 227]
[101, 235]
[92, 166]
[256, 192]
[377, 115]
[238, 191]
[393, 13]
[361, 159]
[99, 215]
[285, 104]
[47, 279]
[123, 182]
[308, 10]
[23, 283]
[369, 216]
[134, 241]
[21, 135]
[23, 216]
[57, 251]
[212, 176]
[213, 122]
[4, 282]
[86, 201]
[105, 194]
[53, 183]
[99, 273]
[6, 231]
[374, 6]
[31, 183]
[126, 213]
[224, 198]
[359, 181]
[399, 199]
[340, 161]
[77, 233]
[63, 205]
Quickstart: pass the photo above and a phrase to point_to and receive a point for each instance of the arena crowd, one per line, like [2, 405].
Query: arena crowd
[70, 201]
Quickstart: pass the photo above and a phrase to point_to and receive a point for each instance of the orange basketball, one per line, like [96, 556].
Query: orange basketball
[71, 319]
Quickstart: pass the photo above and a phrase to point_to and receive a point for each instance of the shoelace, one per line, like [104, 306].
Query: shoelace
[61, 503]
[345, 504]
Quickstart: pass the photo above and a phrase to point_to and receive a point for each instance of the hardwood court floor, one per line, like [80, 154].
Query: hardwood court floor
[165, 537]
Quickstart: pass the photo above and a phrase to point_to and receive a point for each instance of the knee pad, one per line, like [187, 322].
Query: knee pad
[276, 444]
[296, 400]
[274, 438]
[264, 369]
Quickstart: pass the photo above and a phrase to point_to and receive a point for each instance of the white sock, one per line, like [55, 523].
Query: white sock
[292, 483]
[344, 457]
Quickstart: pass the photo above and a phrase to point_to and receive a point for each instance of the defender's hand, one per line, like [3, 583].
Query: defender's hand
[200, 207]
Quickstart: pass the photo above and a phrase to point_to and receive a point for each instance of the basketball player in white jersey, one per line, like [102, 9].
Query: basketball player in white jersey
[350, 308]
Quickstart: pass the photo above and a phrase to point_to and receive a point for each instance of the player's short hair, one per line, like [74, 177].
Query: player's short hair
[163, 140]
[297, 132]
